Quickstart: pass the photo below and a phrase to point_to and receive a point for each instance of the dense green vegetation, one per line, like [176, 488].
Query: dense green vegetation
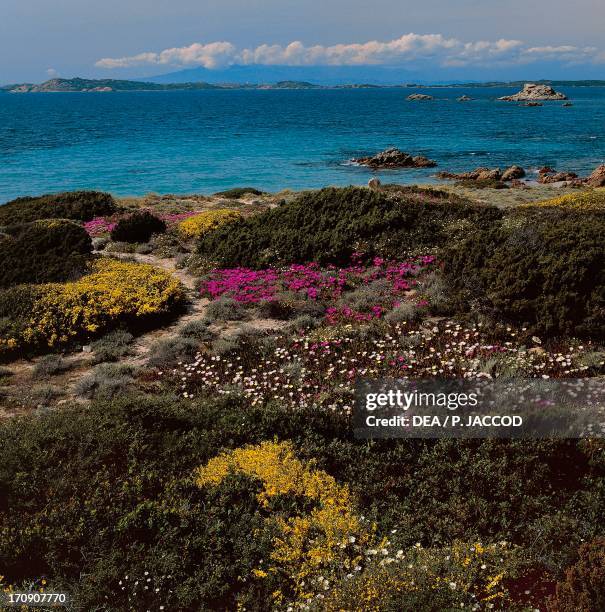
[238, 192]
[214, 467]
[43, 251]
[138, 227]
[328, 226]
[101, 497]
[541, 268]
[77, 205]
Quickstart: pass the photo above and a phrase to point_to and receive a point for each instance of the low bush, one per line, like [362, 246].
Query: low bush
[540, 268]
[42, 395]
[77, 205]
[112, 293]
[112, 346]
[239, 192]
[328, 226]
[50, 365]
[225, 309]
[106, 381]
[198, 225]
[43, 251]
[137, 228]
[168, 352]
[198, 330]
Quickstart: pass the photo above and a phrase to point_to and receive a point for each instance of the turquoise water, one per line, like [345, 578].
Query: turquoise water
[205, 141]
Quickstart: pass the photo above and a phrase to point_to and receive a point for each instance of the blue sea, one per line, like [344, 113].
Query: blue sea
[206, 141]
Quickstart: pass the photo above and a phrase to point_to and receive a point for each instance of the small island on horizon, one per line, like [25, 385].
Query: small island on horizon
[77, 85]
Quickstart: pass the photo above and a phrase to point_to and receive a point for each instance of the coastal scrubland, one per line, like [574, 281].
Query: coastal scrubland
[177, 384]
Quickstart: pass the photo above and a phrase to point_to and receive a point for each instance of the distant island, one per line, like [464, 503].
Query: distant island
[108, 85]
[58, 85]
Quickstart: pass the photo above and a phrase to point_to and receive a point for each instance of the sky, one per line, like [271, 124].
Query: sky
[442, 39]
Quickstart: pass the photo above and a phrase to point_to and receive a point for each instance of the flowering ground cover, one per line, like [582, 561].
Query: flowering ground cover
[323, 285]
[319, 369]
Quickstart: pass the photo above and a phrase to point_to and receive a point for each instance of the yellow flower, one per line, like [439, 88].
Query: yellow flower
[111, 292]
[198, 225]
[306, 544]
[591, 200]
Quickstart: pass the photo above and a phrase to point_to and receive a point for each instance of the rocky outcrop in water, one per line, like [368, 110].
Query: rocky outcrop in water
[394, 158]
[419, 97]
[534, 91]
[464, 98]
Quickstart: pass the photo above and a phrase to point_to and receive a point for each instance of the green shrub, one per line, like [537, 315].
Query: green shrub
[50, 365]
[43, 251]
[239, 192]
[77, 205]
[328, 226]
[225, 309]
[138, 227]
[106, 381]
[168, 352]
[404, 312]
[540, 268]
[92, 494]
[197, 329]
[112, 346]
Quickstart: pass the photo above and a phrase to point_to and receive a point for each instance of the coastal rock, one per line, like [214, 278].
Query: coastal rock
[597, 178]
[533, 104]
[374, 183]
[534, 91]
[464, 98]
[490, 175]
[479, 174]
[463, 176]
[513, 173]
[551, 176]
[418, 96]
[567, 104]
[394, 158]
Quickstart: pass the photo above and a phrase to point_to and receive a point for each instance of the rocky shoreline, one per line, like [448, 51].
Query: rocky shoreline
[514, 174]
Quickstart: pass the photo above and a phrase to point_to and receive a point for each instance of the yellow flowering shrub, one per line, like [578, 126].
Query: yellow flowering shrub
[329, 535]
[112, 291]
[591, 200]
[198, 225]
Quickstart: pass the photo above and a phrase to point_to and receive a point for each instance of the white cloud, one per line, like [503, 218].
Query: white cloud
[212, 55]
[52, 73]
[408, 48]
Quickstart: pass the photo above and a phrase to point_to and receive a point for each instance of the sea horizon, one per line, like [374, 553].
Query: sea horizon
[181, 142]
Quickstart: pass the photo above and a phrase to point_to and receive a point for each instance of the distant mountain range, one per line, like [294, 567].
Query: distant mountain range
[315, 75]
[109, 85]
